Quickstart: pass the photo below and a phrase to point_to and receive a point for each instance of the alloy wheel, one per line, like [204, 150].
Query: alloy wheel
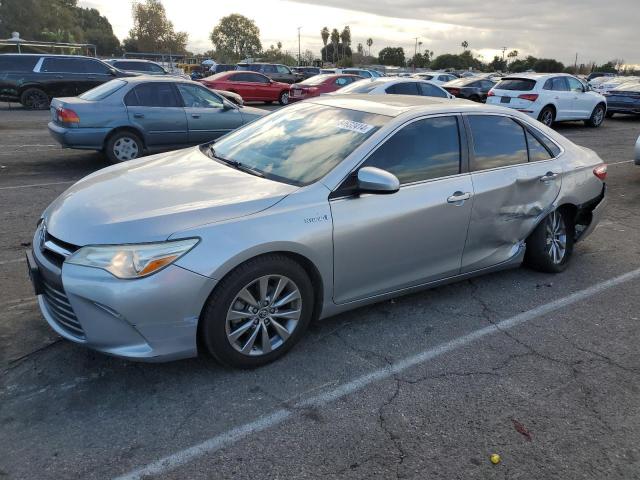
[125, 148]
[547, 118]
[37, 100]
[263, 315]
[556, 237]
[284, 98]
[598, 116]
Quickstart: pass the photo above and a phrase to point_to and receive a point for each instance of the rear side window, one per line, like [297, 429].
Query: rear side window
[153, 95]
[404, 88]
[521, 84]
[18, 63]
[423, 150]
[551, 146]
[497, 142]
[429, 90]
[537, 151]
[283, 69]
[94, 66]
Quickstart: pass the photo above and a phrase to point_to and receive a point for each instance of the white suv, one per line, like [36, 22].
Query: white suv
[550, 97]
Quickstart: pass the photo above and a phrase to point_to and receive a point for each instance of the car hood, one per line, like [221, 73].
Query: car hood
[149, 199]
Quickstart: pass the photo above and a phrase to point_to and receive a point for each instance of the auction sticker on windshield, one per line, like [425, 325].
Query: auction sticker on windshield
[354, 126]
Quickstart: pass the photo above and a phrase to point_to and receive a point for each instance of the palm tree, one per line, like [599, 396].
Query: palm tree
[335, 40]
[360, 48]
[324, 33]
[464, 45]
[369, 43]
[513, 54]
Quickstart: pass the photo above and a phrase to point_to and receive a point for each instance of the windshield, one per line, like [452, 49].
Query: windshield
[299, 144]
[360, 86]
[103, 91]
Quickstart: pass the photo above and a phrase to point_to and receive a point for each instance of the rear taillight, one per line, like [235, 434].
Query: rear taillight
[66, 115]
[491, 94]
[601, 171]
[532, 97]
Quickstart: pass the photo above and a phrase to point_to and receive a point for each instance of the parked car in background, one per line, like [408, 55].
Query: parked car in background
[251, 86]
[306, 72]
[550, 97]
[224, 67]
[470, 88]
[593, 75]
[328, 70]
[132, 65]
[394, 85]
[624, 99]
[319, 84]
[612, 83]
[361, 72]
[437, 78]
[234, 247]
[276, 72]
[126, 118]
[33, 79]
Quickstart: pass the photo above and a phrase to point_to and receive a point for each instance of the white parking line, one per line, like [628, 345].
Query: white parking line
[620, 163]
[13, 187]
[229, 437]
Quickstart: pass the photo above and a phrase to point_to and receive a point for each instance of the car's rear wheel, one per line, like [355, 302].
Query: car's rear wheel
[257, 312]
[123, 146]
[283, 99]
[597, 117]
[34, 99]
[550, 246]
[547, 116]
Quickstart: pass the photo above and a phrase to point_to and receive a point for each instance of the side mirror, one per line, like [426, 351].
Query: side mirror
[227, 105]
[376, 180]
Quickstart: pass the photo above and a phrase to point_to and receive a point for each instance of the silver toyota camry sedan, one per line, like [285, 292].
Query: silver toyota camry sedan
[233, 247]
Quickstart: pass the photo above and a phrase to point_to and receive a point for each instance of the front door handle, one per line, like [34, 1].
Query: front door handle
[547, 177]
[458, 198]
[195, 115]
[138, 115]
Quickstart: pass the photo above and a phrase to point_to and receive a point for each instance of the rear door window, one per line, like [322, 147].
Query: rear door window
[423, 150]
[497, 142]
[403, 88]
[154, 94]
[62, 65]
[521, 84]
[429, 90]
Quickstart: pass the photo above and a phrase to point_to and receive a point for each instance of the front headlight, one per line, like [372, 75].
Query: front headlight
[132, 261]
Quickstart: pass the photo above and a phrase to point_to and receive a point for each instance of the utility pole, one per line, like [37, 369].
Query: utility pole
[299, 55]
[504, 49]
[415, 52]
[575, 66]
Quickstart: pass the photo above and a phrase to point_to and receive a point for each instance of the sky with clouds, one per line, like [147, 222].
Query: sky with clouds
[597, 30]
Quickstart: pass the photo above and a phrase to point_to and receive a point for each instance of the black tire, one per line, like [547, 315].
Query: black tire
[609, 114]
[474, 98]
[597, 116]
[547, 116]
[112, 148]
[213, 321]
[269, 102]
[539, 255]
[34, 99]
[283, 98]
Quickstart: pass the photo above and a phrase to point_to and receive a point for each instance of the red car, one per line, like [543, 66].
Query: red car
[314, 86]
[251, 86]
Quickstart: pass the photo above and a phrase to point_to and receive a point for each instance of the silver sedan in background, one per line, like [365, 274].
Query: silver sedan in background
[318, 208]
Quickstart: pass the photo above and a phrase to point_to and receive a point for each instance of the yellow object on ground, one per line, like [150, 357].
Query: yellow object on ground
[495, 458]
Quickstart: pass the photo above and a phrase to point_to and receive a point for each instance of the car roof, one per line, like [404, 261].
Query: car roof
[157, 78]
[535, 76]
[49, 55]
[394, 105]
[141, 60]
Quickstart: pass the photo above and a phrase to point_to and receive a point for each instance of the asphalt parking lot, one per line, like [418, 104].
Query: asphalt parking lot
[541, 369]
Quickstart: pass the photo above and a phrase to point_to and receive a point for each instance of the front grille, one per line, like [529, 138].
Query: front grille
[61, 310]
[56, 250]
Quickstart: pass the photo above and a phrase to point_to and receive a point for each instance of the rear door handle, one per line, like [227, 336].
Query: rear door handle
[548, 176]
[138, 115]
[458, 198]
[195, 115]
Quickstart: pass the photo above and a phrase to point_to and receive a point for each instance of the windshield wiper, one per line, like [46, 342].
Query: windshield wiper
[235, 164]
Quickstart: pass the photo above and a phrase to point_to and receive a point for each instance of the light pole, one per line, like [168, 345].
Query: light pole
[415, 52]
[299, 55]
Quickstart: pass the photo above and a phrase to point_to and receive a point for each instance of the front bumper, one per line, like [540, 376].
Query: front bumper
[149, 319]
[80, 138]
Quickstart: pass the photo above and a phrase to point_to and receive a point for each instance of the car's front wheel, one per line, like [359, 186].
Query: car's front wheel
[597, 117]
[550, 246]
[123, 146]
[257, 312]
[283, 99]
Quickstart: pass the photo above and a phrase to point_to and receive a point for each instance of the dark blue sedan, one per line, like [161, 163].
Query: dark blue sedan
[127, 118]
